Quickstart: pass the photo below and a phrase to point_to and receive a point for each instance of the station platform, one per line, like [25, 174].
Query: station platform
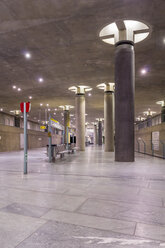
[83, 200]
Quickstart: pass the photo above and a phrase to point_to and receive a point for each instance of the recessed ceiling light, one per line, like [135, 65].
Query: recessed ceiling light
[19, 89]
[14, 86]
[1, 109]
[48, 109]
[89, 94]
[143, 71]
[27, 55]
[41, 104]
[55, 109]
[30, 97]
[54, 113]
[40, 79]
[47, 104]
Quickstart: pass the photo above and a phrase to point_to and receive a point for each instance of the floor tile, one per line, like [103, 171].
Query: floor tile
[55, 235]
[156, 232]
[124, 211]
[91, 221]
[25, 209]
[15, 228]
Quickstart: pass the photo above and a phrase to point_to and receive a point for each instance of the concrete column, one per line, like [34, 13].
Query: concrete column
[99, 132]
[109, 121]
[17, 121]
[108, 115]
[163, 114]
[149, 120]
[95, 135]
[124, 34]
[66, 109]
[124, 101]
[80, 114]
[80, 121]
[66, 126]
[162, 103]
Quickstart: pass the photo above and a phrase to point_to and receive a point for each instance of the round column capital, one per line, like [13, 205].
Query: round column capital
[94, 123]
[80, 89]
[149, 112]
[107, 87]
[66, 107]
[162, 103]
[100, 119]
[124, 31]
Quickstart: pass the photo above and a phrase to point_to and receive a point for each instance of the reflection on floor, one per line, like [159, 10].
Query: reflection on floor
[84, 200]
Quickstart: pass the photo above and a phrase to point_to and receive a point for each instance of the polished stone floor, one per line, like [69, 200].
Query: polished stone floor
[85, 200]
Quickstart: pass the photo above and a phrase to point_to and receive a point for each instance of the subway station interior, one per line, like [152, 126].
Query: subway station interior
[82, 123]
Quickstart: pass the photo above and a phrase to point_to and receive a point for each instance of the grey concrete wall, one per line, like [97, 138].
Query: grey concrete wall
[146, 135]
[6, 119]
[9, 120]
[10, 138]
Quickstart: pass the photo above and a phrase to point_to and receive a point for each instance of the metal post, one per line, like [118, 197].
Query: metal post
[25, 139]
[163, 151]
[163, 144]
[67, 131]
[50, 140]
[144, 146]
[138, 146]
[152, 149]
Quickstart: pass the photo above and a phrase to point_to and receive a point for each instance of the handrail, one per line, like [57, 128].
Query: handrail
[144, 124]
[163, 148]
[150, 148]
[138, 145]
[144, 145]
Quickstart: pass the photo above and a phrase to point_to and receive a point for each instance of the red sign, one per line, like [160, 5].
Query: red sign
[28, 107]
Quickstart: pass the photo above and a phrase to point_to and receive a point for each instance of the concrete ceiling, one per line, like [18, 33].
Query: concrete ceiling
[62, 36]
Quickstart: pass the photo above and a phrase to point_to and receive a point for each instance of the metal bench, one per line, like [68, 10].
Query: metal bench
[61, 150]
[71, 148]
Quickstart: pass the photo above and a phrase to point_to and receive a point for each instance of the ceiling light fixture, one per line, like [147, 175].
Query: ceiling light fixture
[40, 80]
[143, 71]
[30, 97]
[19, 89]
[27, 55]
[14, 87]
